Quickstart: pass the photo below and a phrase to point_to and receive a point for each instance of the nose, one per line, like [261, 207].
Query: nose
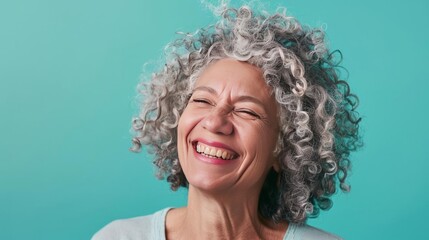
[217, 121]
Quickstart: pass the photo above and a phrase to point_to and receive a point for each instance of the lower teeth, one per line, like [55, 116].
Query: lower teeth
[211, 156]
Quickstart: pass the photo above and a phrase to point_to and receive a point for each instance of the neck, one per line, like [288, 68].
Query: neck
[223, 216]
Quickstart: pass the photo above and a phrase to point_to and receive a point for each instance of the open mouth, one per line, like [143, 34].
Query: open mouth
[214, 152]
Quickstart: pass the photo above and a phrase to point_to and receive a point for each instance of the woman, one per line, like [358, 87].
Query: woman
[251, 117]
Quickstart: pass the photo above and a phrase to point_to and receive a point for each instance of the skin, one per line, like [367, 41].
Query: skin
[232, 107]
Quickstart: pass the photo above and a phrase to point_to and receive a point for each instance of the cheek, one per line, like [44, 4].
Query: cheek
[261, 136]
[182, 129]
[187, 122]
[270, 137]
[260, 142]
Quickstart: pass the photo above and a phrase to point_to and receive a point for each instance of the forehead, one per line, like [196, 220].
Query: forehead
[232, 75]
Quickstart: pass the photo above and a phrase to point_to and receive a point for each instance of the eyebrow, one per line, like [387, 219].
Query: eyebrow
[206, 89]
[242, 98]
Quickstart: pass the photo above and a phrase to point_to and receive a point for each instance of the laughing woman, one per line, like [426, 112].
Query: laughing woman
[251, 116]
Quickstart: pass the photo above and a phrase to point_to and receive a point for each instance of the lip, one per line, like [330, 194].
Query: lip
[215, 161]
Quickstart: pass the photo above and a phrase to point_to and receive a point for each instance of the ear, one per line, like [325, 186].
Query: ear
[276, 165]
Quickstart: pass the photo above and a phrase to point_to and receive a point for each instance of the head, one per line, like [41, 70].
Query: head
[231, 111]
[308, 119]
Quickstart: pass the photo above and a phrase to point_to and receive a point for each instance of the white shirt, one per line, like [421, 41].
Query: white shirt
[153, 227]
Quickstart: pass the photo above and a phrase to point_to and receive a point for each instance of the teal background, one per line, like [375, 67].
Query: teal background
[68, 71]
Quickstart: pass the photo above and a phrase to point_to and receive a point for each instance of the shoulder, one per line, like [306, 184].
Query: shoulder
[307, 232]
[143, 227]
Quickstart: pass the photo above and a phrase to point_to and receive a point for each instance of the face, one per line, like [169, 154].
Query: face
[228, 131]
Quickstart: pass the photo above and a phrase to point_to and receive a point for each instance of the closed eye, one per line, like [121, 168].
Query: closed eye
[248, 112]
[201, 100]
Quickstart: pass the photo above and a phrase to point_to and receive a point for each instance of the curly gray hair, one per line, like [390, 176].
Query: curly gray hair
[319, 124]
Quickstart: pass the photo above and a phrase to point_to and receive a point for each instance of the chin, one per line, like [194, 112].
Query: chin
[210, 182]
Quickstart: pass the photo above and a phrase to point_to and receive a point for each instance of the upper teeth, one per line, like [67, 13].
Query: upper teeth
[214, 152]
